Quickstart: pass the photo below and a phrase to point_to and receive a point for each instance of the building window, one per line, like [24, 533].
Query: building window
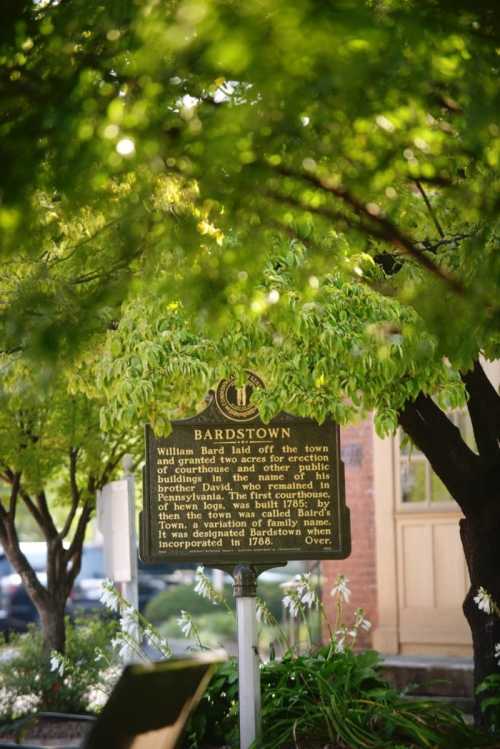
[419, 485]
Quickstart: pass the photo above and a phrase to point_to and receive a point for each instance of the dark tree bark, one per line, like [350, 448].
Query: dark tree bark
[63, 559]
[473, 480]
[63, 566]
[53, 625]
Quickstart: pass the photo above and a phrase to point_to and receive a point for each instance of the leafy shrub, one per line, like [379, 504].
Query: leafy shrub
[168, 604]
[211, 628]
[215, 721]
[28, 683]
[333, 696]
[489, 695]
[329, 698]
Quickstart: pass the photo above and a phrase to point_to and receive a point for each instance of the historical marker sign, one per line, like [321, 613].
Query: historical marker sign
[225, 488]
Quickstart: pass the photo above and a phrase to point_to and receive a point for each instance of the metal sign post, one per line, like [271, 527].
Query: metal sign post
[245, 591]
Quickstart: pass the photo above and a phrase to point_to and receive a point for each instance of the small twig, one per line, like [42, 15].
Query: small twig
[431, 210]
[85, 241]
[455, 239]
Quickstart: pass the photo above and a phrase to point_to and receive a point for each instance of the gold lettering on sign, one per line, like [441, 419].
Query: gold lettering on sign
[242, 433]
[261, 487]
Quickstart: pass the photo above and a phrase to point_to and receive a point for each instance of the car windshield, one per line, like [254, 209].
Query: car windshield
[92, 563]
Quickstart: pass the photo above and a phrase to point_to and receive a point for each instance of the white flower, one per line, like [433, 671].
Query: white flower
[292, 602]
[309, 599]
[57, 663]
[96, 698]
[340, 641]
[185, 623]
[157, 642]
[204, 587]
[341, 588]
[109, 596]
[264, 616]
[360, 621]
[201, 581]
[129, 624]
[25, 703]
[483, 601]
[99, 655]
[6, 698]
[305, 591]
[497, 653]
[97, 695]
[121, 644]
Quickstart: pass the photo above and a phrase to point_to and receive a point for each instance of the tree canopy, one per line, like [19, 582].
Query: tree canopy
[196, 136]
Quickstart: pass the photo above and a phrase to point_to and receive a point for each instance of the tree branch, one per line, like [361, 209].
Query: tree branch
[75, 493]
[48, 520]
[14, 479]
[484, 410]
[455, 239]
[83, 242]
[431, 210]
[12, 549]
[376, 225]
[14, 493]
[31, 507]
[442, 444]
[110, 466]
[74, 553]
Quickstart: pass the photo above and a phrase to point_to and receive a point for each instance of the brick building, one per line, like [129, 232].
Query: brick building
[360, 567]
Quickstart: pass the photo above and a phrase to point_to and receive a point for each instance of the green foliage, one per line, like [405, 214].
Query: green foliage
[39, 426]
[213, 628]
[53, 459]
[332, 697]
[489, 695]
[215, 721]
[201, 137]
[348, 253]
[169, 603]
[28, 683]
[328, 698]
[340, 349]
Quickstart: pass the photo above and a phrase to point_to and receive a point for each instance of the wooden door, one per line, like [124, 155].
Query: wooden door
[431, 569]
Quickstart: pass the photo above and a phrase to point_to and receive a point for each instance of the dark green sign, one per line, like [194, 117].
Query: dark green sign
[226, 488]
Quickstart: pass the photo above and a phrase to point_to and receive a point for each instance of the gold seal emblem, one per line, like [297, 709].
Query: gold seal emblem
[234, 402]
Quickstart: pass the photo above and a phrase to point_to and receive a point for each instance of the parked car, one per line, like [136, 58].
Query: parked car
[152, 579]
[17, 609]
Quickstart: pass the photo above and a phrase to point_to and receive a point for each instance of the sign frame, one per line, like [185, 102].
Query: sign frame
[212, 417]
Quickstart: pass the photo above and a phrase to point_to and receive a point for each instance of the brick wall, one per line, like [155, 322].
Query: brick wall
[357, 452]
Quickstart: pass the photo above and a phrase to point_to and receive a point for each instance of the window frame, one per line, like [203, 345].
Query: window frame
[426, 504]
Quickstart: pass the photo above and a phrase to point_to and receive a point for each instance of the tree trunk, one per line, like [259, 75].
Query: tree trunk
[480, 538]
[53, 626]
[473, 479]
